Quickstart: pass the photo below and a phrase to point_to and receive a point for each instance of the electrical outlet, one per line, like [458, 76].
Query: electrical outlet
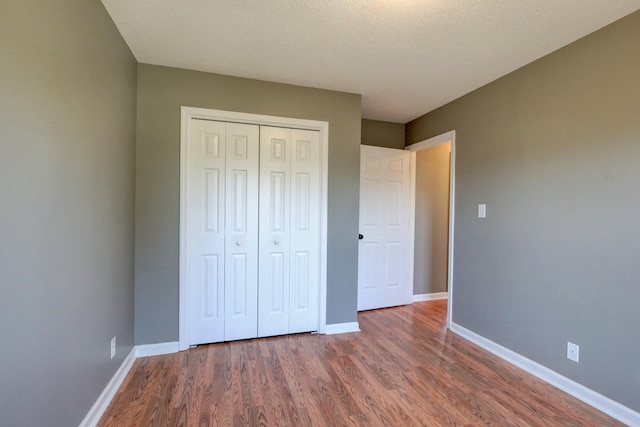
[113, 347]
[573, 352]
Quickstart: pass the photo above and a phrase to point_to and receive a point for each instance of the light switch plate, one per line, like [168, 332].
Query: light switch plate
[113, 347]
[482, 211]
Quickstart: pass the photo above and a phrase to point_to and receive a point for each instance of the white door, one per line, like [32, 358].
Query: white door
[205, 260]
[241, 252]
[252, 272]
[384, 263]
[306, 159]
[222, 164]
[289, 231]
[275, 192]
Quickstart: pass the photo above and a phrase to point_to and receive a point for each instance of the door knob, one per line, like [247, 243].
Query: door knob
[238, 243]
[275, 242]
[360, 237]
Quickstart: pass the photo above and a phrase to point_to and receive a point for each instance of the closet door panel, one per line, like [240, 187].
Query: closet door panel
[274, 252]
[205, 259]
[253, 226]
[241, 231]
[305, 230]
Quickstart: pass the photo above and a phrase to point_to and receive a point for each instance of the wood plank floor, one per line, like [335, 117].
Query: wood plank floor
[403, 369]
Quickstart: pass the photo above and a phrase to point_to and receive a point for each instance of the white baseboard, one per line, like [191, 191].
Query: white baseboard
[98, 408]
[147, 350]
[341, 328]
[610, 407]
[430, 297]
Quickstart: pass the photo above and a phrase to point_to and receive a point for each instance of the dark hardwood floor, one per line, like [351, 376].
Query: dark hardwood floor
[403, 369]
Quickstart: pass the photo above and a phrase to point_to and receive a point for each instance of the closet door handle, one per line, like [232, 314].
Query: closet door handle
[275, 242]
[238, 243]
[360, 237]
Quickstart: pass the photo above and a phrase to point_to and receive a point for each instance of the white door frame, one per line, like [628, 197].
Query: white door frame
[423, 145]
[189, 113]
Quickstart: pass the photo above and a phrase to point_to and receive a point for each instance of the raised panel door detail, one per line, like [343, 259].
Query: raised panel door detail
[369, 254]
[237, 276]
[303, 151]
[278, 150]
[277, 203]
[212, 285]
[212, 145]
[303, 202]
[370, 202]
[277, 282]
[393, 262]
[394, 201]
[240, 147]
[395, 165]
[212, 200]
[371, 164]
[239, 198]
[301, 275]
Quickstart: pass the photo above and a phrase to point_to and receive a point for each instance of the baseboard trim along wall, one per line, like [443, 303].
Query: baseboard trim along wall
[147, 350]
[98, 408]
[341, 328]
[430, 297]
[610, 407]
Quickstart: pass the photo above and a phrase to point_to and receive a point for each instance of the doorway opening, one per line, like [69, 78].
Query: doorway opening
[433, 170]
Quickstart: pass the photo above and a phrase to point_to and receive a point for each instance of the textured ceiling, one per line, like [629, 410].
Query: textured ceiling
[406, 57]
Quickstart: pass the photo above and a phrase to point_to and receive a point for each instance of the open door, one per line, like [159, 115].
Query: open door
[384, 254]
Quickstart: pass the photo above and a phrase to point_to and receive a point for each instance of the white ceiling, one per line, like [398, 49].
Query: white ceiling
[406, 57]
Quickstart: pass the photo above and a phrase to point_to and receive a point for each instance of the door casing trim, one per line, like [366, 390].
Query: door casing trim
[423, 145]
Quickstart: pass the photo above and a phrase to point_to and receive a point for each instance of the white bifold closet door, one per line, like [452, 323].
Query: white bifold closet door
[223, 161]
[253, 197]
[289, 231]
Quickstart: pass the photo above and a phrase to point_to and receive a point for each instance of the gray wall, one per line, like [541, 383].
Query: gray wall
[431, 249]
[553, 149]
[161, 93]
[67, 150]
[382, 134]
